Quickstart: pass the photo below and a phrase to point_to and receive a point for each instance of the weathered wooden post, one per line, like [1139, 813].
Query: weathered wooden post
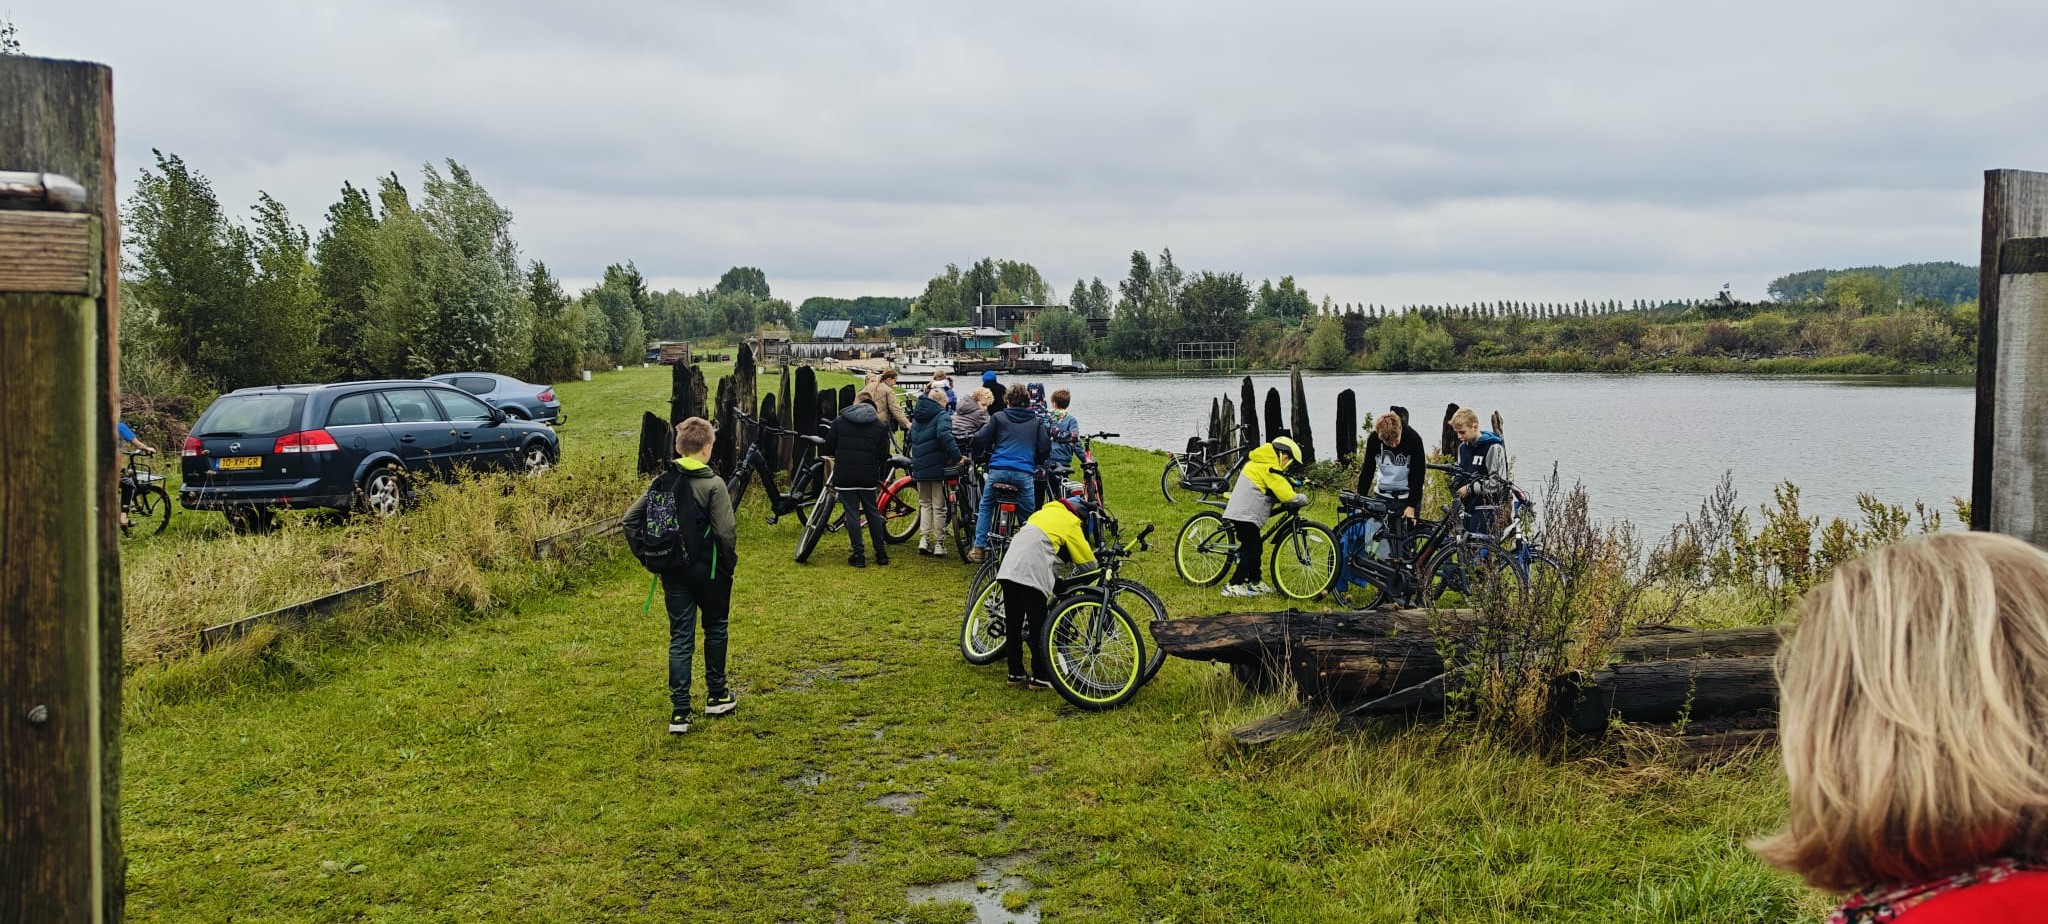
[60, 590]
[2009, 480]
[1347, 425]
[1248, 400]
[1299, 425]
[1274, 422]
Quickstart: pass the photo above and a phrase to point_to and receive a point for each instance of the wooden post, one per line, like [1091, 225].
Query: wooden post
[2006, 484]
[60, 591]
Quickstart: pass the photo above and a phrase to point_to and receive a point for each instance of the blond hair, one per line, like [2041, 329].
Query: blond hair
[1388, 429]
[1465, 416]
[693, 435]
[1914, 716]
[983, 397]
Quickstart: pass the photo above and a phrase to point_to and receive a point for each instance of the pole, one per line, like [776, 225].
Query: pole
[60, 589]
[2015, 206]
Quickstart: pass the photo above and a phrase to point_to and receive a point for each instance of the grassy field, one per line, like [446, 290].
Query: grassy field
[512, 765]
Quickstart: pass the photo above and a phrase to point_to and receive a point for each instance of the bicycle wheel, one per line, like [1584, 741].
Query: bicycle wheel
[1464, 573]
[899, 511]
[1097, 653]
[963, 525]
[1153, 611]
[981, 624]
[1205, 549]
[816, 524]
[736, 486]
[151, 511]
[1303, 561]
[1170, 477]
[1362, 545]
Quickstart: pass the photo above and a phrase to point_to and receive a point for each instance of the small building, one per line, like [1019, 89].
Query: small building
[1007, 318]
[950, 340]
[771, 346]
[830, 331]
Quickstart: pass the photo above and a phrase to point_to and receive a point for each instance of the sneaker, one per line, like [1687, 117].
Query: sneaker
[881, 558]
[1035, 685]
[974, 555]
[1239, 590]
[857, 560]
[1261, 589]
[679, 722]
[719, 704]
[924, 546]
[1018, 680]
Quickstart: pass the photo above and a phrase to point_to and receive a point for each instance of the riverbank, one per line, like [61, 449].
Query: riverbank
[514, 767]
[1572, 362]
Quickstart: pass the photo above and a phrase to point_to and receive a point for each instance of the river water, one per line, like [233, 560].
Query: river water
[1648, 448]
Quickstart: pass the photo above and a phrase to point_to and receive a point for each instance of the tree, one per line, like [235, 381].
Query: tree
[190, 271]
[9, 44]
[1215, 306]
[404, 261]
[557, 330]
[865, 311]
[1147, 320]
[483, 324]
[281, 326]
[745, 280]
[1284, 302]
[942, 303]
[621, 299]
[344, 272]
[1326, 346]
[1061, 330]
[1354, 331]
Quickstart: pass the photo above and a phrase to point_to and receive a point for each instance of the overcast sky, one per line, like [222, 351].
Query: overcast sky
[1380, 153]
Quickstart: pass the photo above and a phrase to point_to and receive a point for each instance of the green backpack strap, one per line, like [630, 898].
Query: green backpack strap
[652, 585]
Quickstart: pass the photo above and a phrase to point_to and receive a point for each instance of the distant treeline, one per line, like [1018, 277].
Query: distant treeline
[394, 284]
[1943, 282]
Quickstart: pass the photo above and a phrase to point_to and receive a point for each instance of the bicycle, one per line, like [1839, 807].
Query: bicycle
[898, 502]
[1094, 648]
[1196, 469]
[804, 486]
[982, 630]
[1303, 560]
[143, 498]
[1382, 558]
[825, 516]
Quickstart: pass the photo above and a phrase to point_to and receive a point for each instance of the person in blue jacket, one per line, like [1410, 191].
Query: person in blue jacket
[1483, 460]
[933, 450]
[1019, 443]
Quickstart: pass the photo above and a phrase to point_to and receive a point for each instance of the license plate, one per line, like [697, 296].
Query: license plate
[232, 463]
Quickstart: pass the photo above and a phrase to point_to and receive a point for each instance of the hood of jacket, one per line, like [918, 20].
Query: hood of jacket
[862, 413]
[693, 468]
[1486, 438]
[1018, 414]
[926, 409]
[1263, 454]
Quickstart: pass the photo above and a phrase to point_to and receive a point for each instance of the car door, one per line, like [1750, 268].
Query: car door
[356, 423]
[426, 443]
[482, 442]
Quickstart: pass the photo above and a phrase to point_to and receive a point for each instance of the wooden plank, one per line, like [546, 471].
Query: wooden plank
[2015, 206]
[60, 594]
[47, 252]
[563, 541]
[297, 614]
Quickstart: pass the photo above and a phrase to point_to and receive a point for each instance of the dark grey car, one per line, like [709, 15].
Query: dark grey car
[521, 400]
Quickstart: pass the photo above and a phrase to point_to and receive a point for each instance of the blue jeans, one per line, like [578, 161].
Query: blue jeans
[1026, 500]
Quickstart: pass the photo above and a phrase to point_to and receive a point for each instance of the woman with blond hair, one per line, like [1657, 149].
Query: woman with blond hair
[1914, 726]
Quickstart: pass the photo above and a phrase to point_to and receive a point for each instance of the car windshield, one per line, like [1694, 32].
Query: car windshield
[250, 415]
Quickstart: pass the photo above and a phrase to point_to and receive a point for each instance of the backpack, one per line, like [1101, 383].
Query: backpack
[661, 536]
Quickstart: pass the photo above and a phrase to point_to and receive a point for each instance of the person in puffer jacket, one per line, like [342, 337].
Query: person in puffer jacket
[859, 446]
[1029, 575]
[1263, 482]
[933, 449]
[971, 415]
[1018, 443]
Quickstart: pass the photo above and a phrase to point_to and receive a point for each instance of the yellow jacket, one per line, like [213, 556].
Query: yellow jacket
[1260, 484]
[1034, 554]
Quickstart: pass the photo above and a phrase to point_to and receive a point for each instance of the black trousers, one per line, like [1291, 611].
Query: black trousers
[860, 506]
[688, 598]
[1023, 618]
[1250, 549]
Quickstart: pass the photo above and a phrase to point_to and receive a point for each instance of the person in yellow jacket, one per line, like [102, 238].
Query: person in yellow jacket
[1263, 482]
[1029, 573]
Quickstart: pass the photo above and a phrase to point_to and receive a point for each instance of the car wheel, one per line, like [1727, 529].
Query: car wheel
[514, 413]
[251, 520]
[536, 459]
[382, 493]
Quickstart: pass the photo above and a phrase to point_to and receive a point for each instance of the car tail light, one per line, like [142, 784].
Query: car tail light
[306, 441]
[547, 394]
[192, 447]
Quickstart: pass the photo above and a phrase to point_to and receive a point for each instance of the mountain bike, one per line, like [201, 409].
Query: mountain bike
[1206, 468]
[825, 516]
[1430, 563]
[982, 631]
[1094, 646]
[1303, 560]
[143, 497]
[804, 486]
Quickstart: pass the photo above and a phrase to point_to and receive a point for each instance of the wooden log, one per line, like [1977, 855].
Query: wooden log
[769, 416]
[1274, 422]
[786, 445]
[567, 539]
[1215, 434]
[657, 442]
[60, 591]
[724, 449]
[1245, 638]
[1229, 424]
[1673, 644]
[2015, 206]
[1299, 425]
[1347, 425]
[299, 614]
[1664, 691]
[1248, 402]
[804, 419]
[1449, 439]
[846, 395]
[2019, 481]
[700, 395]
[679, 393]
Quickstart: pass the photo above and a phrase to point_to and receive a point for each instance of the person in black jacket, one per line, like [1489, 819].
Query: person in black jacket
[1394, 458]
[859, 446]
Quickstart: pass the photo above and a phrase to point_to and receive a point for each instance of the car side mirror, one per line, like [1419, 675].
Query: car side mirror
[497, 415]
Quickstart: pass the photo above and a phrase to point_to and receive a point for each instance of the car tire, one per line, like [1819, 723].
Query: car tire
[251, 521]
[536, 458]
[382, 492]
[515, 413]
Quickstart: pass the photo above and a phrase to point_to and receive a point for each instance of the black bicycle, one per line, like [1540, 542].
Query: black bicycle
[1302, 560]
[1206, 469]
[1383, 558]
[982, 631]
[144, 501]
[805, 486]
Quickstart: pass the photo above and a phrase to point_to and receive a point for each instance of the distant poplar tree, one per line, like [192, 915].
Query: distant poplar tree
[344, 270]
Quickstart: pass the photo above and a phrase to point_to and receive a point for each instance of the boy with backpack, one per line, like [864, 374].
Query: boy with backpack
[682, 529]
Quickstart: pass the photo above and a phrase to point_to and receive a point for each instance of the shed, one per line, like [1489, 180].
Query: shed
[830, 331]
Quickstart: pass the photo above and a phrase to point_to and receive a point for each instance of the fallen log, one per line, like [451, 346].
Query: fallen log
[1248, 638]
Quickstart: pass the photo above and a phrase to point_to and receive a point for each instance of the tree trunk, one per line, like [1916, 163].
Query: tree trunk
[657, 441]
[722, 447]
[804, 419]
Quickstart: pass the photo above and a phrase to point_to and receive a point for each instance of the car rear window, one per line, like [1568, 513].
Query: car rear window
[250, 415]
[353, 410]
[476, 384]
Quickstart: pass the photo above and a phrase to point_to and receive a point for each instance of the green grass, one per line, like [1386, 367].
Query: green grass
[514, 767]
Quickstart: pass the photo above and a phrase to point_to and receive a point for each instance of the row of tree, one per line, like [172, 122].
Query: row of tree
[395, 284]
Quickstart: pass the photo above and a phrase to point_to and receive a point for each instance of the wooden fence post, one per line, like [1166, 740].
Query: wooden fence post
[2009, 475]
[60, 592]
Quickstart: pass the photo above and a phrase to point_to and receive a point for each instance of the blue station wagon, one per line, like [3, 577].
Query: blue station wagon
[353, 446]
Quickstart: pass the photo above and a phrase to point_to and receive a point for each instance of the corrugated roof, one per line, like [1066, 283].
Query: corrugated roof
[832, 329]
